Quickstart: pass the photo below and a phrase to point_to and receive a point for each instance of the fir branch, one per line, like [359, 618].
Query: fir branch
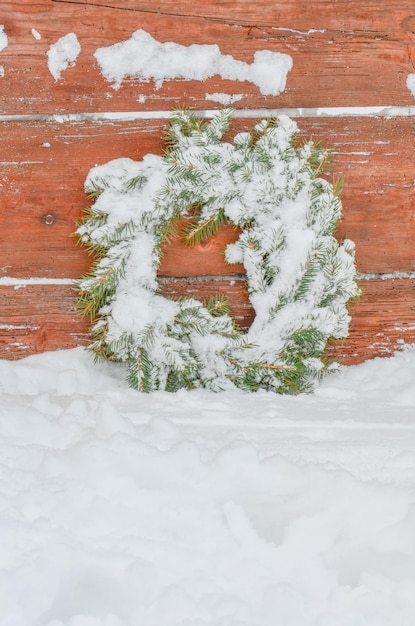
[218, 125]
[338, 184]
[95, 189]
[166, 230]
[198, 231]
[218, 305]
[269, 366]
[136, 183]
[315, 262]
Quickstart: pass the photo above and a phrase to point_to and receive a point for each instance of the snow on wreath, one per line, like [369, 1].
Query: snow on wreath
[299, 277]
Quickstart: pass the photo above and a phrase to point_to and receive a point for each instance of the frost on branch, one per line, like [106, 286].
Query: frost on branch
[299, 277]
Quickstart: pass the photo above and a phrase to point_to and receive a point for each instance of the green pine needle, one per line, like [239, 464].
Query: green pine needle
[199, 230]
[218, 305]
[95, 189]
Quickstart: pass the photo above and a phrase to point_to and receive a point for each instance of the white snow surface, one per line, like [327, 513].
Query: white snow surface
[145, 58]
[63, 54]
[204, 509]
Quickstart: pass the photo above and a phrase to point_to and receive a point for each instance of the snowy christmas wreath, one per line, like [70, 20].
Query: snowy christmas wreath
[299, 277]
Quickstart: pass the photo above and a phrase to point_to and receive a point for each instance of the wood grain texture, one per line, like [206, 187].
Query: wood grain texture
[202, 259]
[344, 53]
[43, 166]
[36, 318]
[382, 321]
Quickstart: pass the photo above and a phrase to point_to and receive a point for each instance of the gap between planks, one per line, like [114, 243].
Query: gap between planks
[10, 281]
[370, 111]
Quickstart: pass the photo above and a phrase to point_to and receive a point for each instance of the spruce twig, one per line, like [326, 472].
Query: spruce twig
[198, 231]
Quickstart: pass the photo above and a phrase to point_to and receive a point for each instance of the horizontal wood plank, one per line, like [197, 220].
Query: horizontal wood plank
[44, 164]
[344, 53]
[234, 290]
[383, 320]
[43, 167]
[202, 259]
[36, 318]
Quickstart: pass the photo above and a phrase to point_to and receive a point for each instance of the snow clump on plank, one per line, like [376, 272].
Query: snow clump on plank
[410, 83]
[145, 58]
[4, 42]
[63, 54]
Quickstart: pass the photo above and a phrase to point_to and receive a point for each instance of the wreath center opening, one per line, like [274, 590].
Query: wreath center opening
[200, 271]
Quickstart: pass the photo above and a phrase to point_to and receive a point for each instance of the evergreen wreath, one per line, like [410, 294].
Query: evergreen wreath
[299, 277]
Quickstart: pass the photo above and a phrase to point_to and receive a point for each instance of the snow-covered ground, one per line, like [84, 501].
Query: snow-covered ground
[203, 509]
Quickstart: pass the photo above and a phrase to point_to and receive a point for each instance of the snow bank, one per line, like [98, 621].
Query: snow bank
[63, 54]
[205, 509]
[145, 58]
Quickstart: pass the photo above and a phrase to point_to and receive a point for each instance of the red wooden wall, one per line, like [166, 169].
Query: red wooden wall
[347, 87]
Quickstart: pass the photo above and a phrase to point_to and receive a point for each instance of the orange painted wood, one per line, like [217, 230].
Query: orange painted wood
[36, 318]
[344, 53]
[202, 259]
[234, 290]
[382, 321]
[43, 167]
[43, 317]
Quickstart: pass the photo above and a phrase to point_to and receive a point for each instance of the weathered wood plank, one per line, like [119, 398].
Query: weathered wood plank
[36, 318]
[235, 291]
[204, 259]
[43, 167]
[382, 321]
[344, 54]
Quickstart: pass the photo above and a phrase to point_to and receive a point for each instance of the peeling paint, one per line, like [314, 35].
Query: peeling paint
[21, 162]
[224, 98]
[386, 276]
[310, 31]
[10, 281]
[19, 327]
